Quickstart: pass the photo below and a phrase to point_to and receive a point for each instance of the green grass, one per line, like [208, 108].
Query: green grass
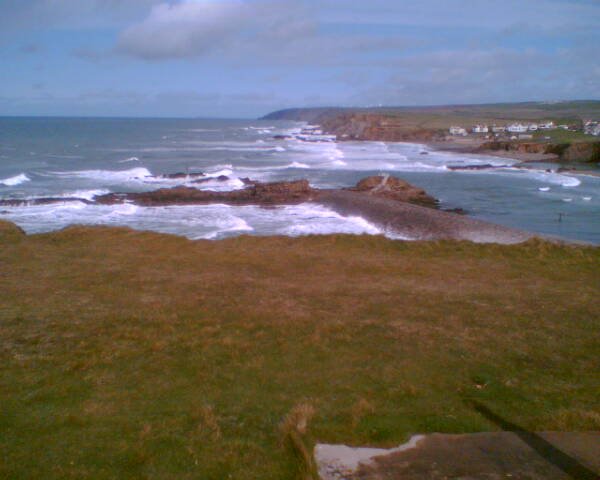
[563, 136]
[137, 355]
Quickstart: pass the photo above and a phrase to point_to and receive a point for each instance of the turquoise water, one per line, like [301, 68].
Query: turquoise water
[58, 157]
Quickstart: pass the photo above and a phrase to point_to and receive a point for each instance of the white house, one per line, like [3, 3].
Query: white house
[458, 131]
[498, 129]
[517, 128]
[480, 129]
[591, 128]
[533, 127]
[547, 126]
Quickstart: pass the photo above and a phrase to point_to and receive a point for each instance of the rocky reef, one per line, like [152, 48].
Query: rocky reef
[392, 204]
[270, 194]
[256, 193]
[394, 188]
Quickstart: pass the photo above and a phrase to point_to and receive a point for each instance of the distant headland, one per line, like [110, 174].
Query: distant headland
[567, 132]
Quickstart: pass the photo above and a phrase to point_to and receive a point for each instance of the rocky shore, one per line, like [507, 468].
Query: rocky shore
[395, 206]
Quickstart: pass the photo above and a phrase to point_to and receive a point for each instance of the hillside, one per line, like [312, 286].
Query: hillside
[447, 115]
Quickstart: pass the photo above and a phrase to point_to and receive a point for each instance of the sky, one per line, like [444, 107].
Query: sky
[245, 58]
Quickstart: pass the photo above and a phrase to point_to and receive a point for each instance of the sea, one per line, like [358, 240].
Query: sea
[78, 158]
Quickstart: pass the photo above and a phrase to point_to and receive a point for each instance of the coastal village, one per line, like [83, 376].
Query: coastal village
[524, 131]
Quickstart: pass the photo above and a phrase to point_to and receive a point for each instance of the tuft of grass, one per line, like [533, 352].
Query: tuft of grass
[294, 430]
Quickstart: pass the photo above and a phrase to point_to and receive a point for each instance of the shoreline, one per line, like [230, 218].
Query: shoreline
[392, 205]
[473, 146]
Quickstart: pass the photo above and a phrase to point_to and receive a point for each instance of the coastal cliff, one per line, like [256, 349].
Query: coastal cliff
[377, 127]
[430, 125]
[565, 152]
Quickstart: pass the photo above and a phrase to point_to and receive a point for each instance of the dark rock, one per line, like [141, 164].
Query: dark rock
[277, 193]
[394, 188]
[485, 166]
[458, 211]
[220, 178]
[175, 176]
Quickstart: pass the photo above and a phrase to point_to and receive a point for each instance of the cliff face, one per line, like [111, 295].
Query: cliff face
[566, 152]
[378, 127]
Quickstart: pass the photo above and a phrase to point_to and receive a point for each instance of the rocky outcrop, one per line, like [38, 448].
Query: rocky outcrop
[377, 127]
[395, 189]
[582, 152]
[485, 166]
[182, 175]
[566, 152]
[277, 193]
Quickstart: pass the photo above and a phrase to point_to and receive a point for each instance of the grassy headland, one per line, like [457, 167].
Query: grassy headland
[444, 116]
[431, 124]
[138, 355]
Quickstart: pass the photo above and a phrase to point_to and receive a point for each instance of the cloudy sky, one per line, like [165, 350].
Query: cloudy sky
[244, 58]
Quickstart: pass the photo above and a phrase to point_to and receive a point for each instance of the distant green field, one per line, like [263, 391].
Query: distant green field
[466, 115]
[564, 136]
[137, 355]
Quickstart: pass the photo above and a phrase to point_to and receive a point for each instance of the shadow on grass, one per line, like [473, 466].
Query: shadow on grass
[545, 449]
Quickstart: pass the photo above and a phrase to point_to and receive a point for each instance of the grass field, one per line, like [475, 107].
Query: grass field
[564, 136]
[138, 355]
[444, 116]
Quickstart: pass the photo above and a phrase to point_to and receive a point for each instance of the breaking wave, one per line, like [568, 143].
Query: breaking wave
[16, 180]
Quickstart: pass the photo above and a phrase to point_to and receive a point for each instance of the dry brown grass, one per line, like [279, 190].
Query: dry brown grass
[136, 355]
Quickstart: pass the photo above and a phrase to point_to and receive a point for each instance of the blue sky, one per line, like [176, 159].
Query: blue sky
[244, 58]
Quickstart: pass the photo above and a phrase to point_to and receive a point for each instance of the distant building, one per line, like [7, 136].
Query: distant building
[498, 129]
[547, 126]
[480, 129]
[525, 136]
[532, 127]
[564, 127]
[517, 128]
[458, 131]
[591, 128]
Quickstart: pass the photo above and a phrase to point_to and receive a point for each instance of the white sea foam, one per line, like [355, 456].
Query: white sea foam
[233, 224]
[116, 176]
[83, 194]
[553, 178]
[298, 165]
[544, 189]
[131, 159]
[16, 180]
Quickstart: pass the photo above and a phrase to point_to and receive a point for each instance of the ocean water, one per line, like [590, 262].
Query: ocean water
[70, 157]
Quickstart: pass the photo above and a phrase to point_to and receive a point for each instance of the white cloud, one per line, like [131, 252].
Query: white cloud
[184, 30]
[193, 28]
